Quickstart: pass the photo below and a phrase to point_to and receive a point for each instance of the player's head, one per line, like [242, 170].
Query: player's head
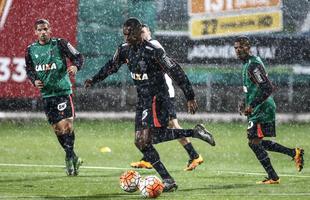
[132, 31]
[42, 30]
[146, 32]
[242, 47]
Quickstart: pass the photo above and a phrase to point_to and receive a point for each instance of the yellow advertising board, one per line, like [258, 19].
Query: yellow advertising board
[206, 27]
[202, 7]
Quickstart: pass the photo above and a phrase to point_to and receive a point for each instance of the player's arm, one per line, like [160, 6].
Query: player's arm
[31, 73]
[259, 76]
[110, 67]
[74, 55]
[177, 74]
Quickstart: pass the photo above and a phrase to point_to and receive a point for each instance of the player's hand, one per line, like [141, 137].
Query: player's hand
[248, 111]
[192, 106]
[72, 70]
[39, 84]
[241, 107]
[88, 83]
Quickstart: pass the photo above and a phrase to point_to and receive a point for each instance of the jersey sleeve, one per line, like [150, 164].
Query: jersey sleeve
[31, 73]
[112, 66]
[176, 73]
[74, 55]
[259, 76]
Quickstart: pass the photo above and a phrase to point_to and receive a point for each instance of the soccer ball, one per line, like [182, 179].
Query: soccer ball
[129, 181]
[151, 187]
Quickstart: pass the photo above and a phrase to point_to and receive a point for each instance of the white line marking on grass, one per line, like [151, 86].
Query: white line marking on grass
[181, 195]
[124, 168]
[250, 195]
[259, 174]
[62, 166]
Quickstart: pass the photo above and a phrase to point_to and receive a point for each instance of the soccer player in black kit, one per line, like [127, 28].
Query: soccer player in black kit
[147, 64]
[195, 159]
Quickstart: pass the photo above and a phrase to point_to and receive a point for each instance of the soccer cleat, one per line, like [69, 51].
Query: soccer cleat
[69, 167]
[141, 164]
[202, 133]
[269, 181]
[169, 185]
[193, 163]
[77, 162]
[299, 158]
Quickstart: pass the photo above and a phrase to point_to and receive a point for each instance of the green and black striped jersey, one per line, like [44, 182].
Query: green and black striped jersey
[48, 64]
[257, 89]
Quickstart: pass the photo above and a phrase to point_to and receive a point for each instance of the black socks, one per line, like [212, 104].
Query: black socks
[263, 158]
[67, 142]
[191, 151]
[152, 156]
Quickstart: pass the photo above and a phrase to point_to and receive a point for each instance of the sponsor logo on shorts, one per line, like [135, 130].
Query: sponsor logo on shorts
[144, 114]
[62, 106]
[250, 125]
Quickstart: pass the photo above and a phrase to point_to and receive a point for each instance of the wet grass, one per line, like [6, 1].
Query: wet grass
[230, 169]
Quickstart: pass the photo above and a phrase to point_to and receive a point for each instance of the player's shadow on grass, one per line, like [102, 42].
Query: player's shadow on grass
[30, 179]
[218, 187]
[42, 178]
[98, 196]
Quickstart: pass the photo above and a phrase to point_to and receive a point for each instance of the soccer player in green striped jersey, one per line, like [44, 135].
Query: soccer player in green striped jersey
[260, 108]
[47, 69]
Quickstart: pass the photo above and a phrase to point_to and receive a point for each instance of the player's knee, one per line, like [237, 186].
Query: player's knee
[140, 141]
[63, 127]
[254, 141]
[141, 144]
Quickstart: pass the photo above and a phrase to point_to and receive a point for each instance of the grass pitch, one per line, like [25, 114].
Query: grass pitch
[32, 163]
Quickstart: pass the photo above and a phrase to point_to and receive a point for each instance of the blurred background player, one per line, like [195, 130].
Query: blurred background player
[147, 64]
[47, 69]
[194, 158]
[259, 107]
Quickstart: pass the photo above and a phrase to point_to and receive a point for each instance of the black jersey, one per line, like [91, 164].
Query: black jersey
[147, 63]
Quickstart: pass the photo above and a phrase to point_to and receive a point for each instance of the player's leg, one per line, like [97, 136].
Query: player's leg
[295, 153]
[199, 131]
[160, 120]
[255, 136]
[153, 115]
[194, 158]
[60, 113]
[143, 143]
[142, 163]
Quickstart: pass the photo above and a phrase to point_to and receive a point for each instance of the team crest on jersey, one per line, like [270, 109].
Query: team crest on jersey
[62, 106]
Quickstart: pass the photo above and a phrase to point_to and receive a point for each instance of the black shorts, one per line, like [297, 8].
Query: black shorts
[171, 109]
[259, 130]
[58, 108]
[152, 112]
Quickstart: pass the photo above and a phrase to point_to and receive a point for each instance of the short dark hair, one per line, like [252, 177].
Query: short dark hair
[41, 21]
[243, 40]
[133, 22]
